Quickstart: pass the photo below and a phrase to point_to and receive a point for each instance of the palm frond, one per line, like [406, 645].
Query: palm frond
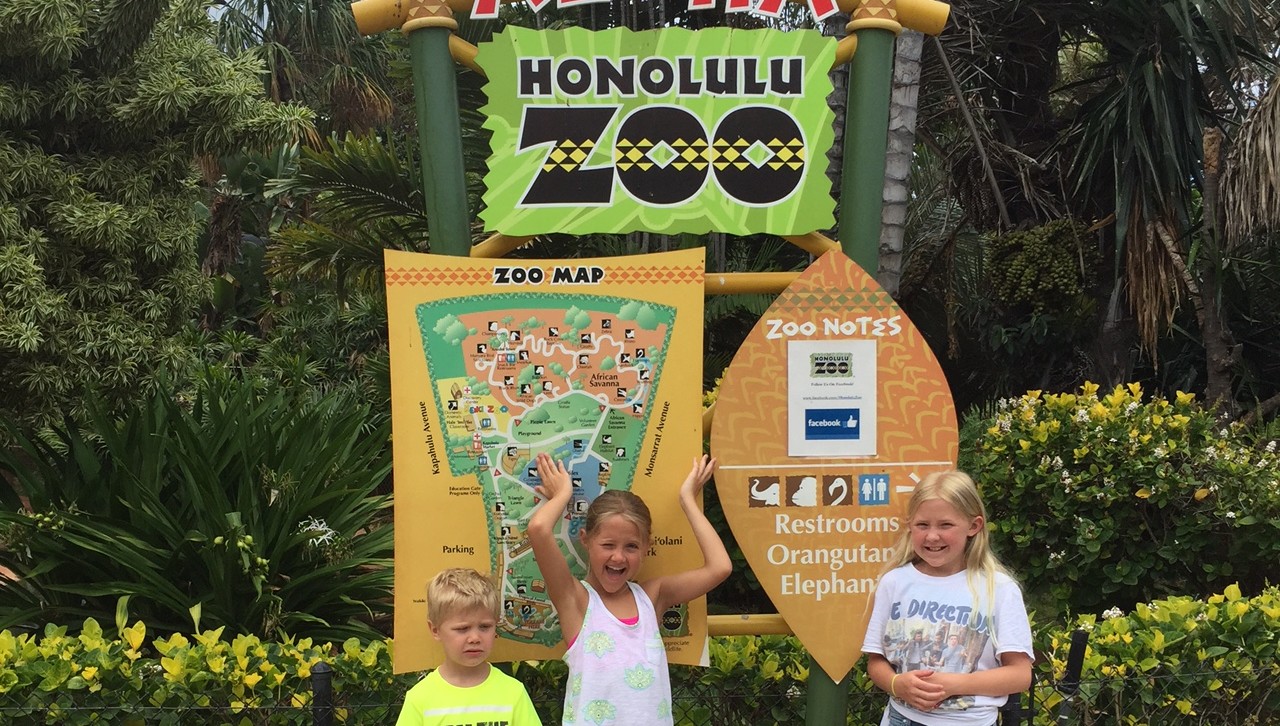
[358, 180]
[352, 256]
[1251, 182]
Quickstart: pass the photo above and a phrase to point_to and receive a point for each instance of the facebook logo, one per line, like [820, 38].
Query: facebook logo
[827, 424]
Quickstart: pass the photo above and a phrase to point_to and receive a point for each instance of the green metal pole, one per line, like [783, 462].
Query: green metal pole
[861, 202]
[865, 139]
[435, 91]
[826, 702]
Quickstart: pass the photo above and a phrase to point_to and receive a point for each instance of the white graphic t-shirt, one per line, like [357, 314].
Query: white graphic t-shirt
[939, 623]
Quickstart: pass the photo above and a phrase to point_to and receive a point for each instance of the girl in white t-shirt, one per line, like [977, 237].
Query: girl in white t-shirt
[617, 661]
[945, 582]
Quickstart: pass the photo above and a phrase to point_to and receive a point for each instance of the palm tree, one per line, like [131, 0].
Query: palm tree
[1121, 140]
[903, 110]
[313, 55]
[1250, 200]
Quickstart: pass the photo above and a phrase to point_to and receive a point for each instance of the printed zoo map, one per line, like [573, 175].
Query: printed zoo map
[519, 374]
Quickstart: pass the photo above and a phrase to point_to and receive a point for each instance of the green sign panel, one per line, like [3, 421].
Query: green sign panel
[664, 131]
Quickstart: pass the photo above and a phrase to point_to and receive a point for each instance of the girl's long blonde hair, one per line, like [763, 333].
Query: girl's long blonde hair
[980, 562]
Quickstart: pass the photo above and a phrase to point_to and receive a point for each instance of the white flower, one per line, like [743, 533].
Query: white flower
[1131, 407]
[1231, 515]
[322, 533]
[1159, 452]
[1082, 415]
[1271, 446]
[1112, 613]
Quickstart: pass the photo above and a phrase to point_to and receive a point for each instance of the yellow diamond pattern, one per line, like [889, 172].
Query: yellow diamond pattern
[698, 154]
[568, 155]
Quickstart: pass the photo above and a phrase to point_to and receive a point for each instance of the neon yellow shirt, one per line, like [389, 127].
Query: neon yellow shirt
[499, 701]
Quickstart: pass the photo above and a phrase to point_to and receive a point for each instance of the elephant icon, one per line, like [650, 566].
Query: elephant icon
[765, 492]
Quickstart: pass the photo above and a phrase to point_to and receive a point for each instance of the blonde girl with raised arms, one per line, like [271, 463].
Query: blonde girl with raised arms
[944, 581]
[617, 662]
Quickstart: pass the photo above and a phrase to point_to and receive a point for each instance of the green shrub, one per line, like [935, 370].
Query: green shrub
[88, 678]
[1179, 660]
[1101, 501]
[246, 507]
[64, 679]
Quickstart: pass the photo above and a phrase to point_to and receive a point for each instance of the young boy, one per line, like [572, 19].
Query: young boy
[462, 612]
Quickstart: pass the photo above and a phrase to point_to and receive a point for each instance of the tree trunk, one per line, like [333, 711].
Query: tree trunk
[1112, 351]
[224, 234]
[903, 108]
[1222, 353]
[835, 27]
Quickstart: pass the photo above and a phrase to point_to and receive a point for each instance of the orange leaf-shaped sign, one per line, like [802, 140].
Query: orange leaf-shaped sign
[832, 410]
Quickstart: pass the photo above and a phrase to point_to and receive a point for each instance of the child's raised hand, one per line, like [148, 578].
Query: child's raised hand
[555, 478]
[699, 475]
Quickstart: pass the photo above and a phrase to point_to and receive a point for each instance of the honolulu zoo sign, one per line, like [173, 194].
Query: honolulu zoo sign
[666, 131]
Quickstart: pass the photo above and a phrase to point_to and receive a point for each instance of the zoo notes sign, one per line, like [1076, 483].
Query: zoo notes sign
[664, 131]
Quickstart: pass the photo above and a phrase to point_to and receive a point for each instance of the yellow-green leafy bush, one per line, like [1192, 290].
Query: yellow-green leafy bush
[92, 678]
[1100, 500]
[1178, 660]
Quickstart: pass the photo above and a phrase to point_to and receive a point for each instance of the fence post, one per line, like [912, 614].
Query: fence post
[1014, 712]
[1070, 683]
[322, 694]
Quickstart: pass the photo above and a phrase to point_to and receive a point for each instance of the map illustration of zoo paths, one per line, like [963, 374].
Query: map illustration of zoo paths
[515, 375]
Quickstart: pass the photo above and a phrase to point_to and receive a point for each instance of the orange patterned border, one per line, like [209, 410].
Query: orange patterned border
[419, 277]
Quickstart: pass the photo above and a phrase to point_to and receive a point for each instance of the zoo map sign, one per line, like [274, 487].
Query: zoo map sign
[595, 362]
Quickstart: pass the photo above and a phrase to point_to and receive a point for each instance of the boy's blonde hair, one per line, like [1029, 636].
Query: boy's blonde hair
[460, 589]
[622, 503]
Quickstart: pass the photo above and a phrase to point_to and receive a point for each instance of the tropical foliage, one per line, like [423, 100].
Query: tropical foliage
[1114, 115]
[103, 108]
[312, 54]
[1180, 660]
[1099, 500]
[241, 504]
[1175, 660]
[91, 677]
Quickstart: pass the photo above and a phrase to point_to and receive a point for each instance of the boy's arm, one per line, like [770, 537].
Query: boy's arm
[567, 594]
[716, 565]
